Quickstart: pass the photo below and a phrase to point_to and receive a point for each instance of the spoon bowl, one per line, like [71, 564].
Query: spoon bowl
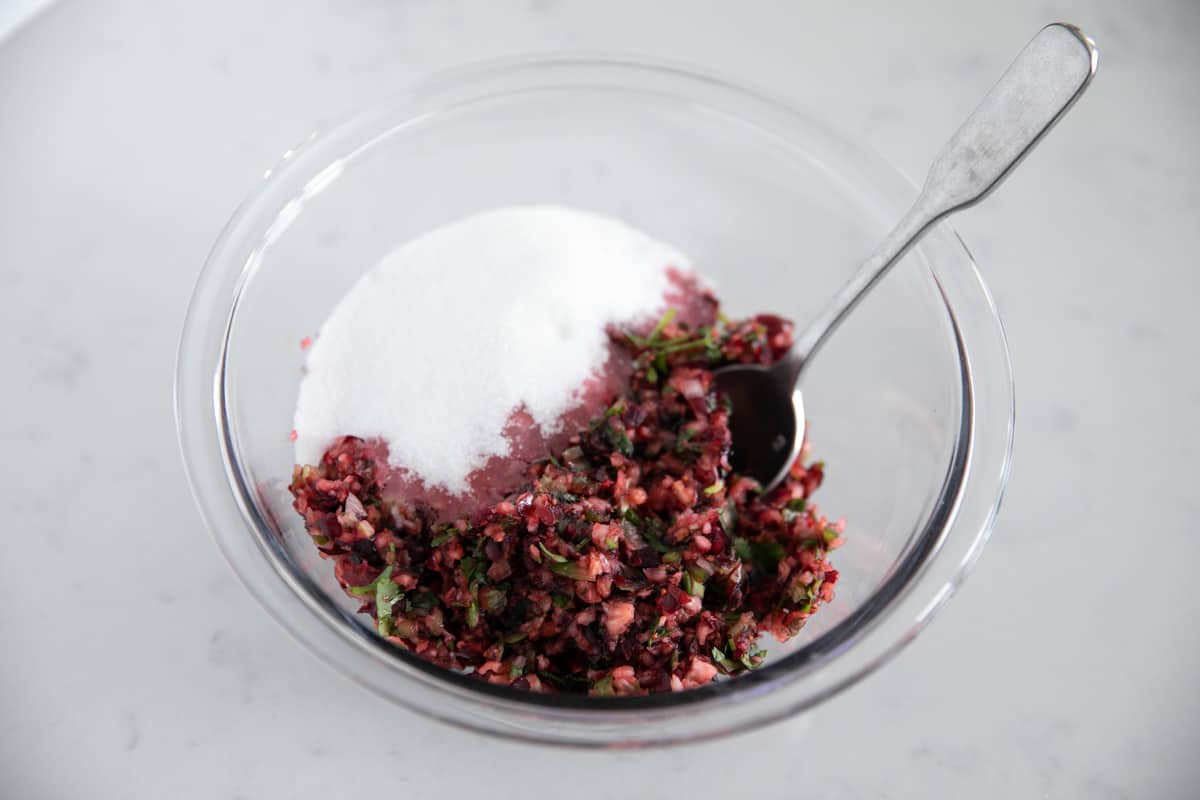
[767, 417]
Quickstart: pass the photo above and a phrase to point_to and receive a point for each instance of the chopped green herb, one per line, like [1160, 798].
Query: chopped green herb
[571, 569]
[723, 661]
[387, 595]
[753, 657]
[728, 517]
[651, 534]
[555, 557]
[716, 487]
[444, 537]
[619, 440]
[424, 603]
[474, 569]
[690, 584]
[671, 349]
[742, 548]
[561, 600]
[764, 555]
[568, 682]
[663, 323]
[797, 504]
[657, 635]
[638, 341]
[603, 686]
[369, 589]
[472, 614]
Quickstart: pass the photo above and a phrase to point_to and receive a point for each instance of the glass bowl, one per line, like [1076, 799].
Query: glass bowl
[910, 404]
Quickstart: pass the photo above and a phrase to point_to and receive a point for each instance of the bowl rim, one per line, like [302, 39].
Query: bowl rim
[208, 445]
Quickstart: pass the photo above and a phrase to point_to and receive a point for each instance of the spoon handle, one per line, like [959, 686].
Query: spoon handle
[1037, 89]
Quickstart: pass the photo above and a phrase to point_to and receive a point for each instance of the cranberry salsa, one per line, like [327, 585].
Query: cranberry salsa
[632, 561]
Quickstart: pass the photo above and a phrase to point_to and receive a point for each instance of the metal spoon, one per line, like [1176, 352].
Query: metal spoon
[1037, 89]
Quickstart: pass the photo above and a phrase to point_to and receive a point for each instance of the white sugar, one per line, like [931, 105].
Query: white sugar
[435, 347]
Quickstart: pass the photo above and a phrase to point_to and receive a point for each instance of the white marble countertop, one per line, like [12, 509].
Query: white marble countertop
[134, 665]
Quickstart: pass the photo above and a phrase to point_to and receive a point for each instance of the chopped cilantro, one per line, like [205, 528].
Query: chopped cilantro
[728, 517]
[472, 614]
[726, 664]
[663, 323]
[651, 534]
[603, 686]
[474, 569]
[571, 569]
[638, 341]
[753, 657]
[387, 594]
[764, 555]
[445, 536]
[555, 557]
[369, 589]
[424, 603]
[619, 440]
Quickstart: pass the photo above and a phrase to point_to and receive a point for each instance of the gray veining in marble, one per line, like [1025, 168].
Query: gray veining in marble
[134, 665]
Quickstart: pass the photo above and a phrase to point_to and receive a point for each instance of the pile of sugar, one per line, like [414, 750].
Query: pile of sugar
[435, 348]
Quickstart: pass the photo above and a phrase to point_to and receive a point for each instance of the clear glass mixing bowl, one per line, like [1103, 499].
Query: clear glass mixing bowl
[910, 405]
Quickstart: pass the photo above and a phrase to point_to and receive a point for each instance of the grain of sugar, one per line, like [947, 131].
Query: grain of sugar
[434, 348]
